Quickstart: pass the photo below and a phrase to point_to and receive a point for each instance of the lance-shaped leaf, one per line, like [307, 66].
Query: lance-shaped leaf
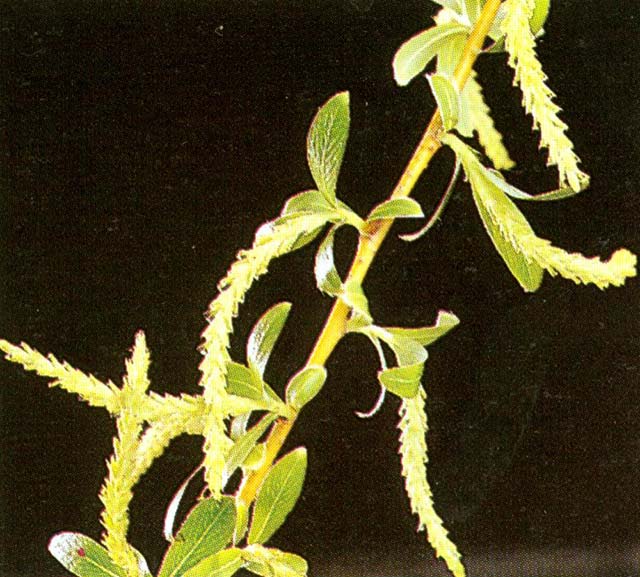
[471, 9]
[244, 445]
[241, 381]
[406, 350]
[539, 16]
[207, 529]
[309, 202]
[277, 495]
[353, 296]
[526, 254]
[269, 562]
[402, 381]
[414, 55]
[174, 505]
[264, 336]
[82, 556]
[223, 564]
[528, 273]
[396, 208]
[447, 97]
[327, 277]
[313, 202]
[242, 520]
[305, 385]
[449, 54]
[326, 143]
[427, 335]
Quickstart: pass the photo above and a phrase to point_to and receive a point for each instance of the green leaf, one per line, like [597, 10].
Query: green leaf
[308, 202]
[277, 495]
[326, 143]
[539, 16]
[447, 97]
[242, 382]
[256, 458]
[527, 272]
[242, 521]
[174, 505]
[427, 335]
[449, 53]
[269, 562]
[396, 208]
[471, 9]
[407, 350]
[305, 385]
[207, 529]
[402, 381]
[82, 556]
[264, 336]
[244, 445]
[313, 202]
[353, 296]
[414, 55]
[327, 278]
[309, 226]
[223, 564]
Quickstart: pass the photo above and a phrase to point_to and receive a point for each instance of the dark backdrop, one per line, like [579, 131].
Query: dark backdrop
[143, 142]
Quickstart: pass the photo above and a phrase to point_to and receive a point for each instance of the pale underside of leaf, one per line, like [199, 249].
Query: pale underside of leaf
[526, 254]
[416, 53]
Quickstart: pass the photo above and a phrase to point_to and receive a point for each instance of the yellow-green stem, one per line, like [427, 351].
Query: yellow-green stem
[370, 241]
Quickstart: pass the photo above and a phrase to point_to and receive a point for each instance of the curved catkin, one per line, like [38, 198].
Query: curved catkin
[117, 491]
[537, 97]
[413, 455]
[271, 241]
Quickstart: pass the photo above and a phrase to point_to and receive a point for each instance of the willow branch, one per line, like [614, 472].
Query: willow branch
[373, 236]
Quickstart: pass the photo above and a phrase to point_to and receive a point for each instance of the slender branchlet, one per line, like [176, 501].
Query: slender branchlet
[228, 532]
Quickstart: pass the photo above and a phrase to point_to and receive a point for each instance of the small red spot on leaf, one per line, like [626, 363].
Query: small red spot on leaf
[81, 552]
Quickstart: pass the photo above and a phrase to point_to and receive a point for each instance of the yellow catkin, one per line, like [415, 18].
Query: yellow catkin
[271, 242]
[413, 454]
[515, 229]
[488, 135]
[537, 97]
[117, 491]
[87, 387]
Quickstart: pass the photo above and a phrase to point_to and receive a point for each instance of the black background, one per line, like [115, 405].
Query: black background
[143, 142]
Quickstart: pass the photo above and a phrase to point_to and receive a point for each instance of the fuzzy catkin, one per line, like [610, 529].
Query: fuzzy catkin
[413, 455]
[537, 97]
[272, 240]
